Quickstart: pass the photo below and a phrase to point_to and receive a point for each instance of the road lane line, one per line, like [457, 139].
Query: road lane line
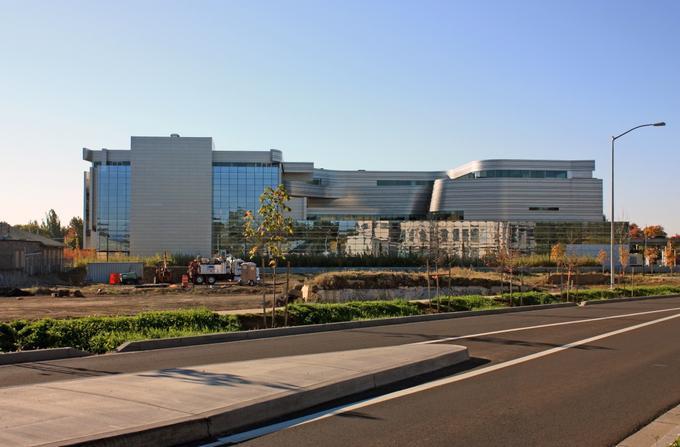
[539, 326]
[244, 436]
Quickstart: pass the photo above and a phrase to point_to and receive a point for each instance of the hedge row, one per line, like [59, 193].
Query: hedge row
[101, 334]
[318, 313]
[473, 302]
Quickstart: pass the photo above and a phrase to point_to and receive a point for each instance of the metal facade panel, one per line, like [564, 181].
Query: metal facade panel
[510, 199]
[171, 201]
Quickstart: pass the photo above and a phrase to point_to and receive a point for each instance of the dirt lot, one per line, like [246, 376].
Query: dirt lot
[102, 299]
[34, 307]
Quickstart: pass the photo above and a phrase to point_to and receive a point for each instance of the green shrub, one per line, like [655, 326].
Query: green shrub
[108, 341]
[463, 303]
[8, 337]
[529, 298]
[318, 313]
[99, 334]
[596, 294]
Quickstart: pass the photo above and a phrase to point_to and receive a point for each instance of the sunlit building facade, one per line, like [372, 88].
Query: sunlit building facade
[180, 195]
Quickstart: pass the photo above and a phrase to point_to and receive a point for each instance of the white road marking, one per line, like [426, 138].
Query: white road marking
[539, 326]
[244, 436]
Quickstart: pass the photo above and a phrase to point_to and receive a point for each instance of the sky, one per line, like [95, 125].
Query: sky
[377, 85]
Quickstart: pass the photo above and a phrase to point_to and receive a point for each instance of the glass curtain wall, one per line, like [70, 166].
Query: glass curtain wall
[237, 188]
[113, 207]
[466, 240]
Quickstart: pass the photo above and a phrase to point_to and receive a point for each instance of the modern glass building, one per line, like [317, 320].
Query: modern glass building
[180, 195]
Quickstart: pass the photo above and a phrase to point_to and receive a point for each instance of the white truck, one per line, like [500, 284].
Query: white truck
[223, 268]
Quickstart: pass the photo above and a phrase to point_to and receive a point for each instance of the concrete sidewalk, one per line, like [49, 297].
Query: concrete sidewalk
[182, 405]
[661, 432]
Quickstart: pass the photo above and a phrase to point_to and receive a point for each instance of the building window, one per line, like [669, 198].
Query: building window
[113, 207]
[515, 173]
[403, 182]
[111, 163]
[236, 188]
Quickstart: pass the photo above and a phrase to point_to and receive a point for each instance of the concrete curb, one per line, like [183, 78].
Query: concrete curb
[633, 298]
[661, 432]
[40, 355]
[225, 420]
[164, 343]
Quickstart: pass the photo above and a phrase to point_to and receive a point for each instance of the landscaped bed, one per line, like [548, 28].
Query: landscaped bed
[102, 334]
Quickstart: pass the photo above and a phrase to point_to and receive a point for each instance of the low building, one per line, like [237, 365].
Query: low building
[26, 254]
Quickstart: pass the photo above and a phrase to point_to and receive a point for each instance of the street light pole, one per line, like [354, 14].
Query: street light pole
[611, 238]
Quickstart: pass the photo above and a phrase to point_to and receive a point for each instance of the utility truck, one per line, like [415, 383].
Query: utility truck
[223, 268]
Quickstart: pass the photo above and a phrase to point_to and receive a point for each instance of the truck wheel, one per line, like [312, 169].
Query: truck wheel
[199, 280]
[211, 280]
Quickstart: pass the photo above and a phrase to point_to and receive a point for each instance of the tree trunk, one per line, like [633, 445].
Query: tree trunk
[561, 282]
[285, 312]
[450, 274]
[274, 295]
[568, 282]
[436, 279]
[264, 297]
[429, 296]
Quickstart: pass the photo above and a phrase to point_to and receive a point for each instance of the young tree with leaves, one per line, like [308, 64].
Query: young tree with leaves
[557, 255]
[624, 258]
[73, 236]
[269, 231]
[51, 226]
[32, 227]
[634, 231]
[602, 258]
[669, 255]
[654, 231]
[651, 255]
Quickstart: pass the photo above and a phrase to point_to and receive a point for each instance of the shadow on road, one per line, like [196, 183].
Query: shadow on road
[535, 344]
[48, 369]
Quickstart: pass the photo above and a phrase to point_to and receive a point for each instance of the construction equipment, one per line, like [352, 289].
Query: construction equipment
[162, 274]
[225, 268]
[250, 274]
[129, 278]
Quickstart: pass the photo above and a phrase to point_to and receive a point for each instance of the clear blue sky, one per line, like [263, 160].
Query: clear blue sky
[422, 85]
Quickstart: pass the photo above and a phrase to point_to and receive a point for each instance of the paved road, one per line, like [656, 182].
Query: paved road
[593, 394]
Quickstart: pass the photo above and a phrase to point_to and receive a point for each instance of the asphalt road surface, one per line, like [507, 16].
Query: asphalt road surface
[522, 387]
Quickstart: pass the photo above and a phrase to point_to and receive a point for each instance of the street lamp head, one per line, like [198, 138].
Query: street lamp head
[659, 124]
